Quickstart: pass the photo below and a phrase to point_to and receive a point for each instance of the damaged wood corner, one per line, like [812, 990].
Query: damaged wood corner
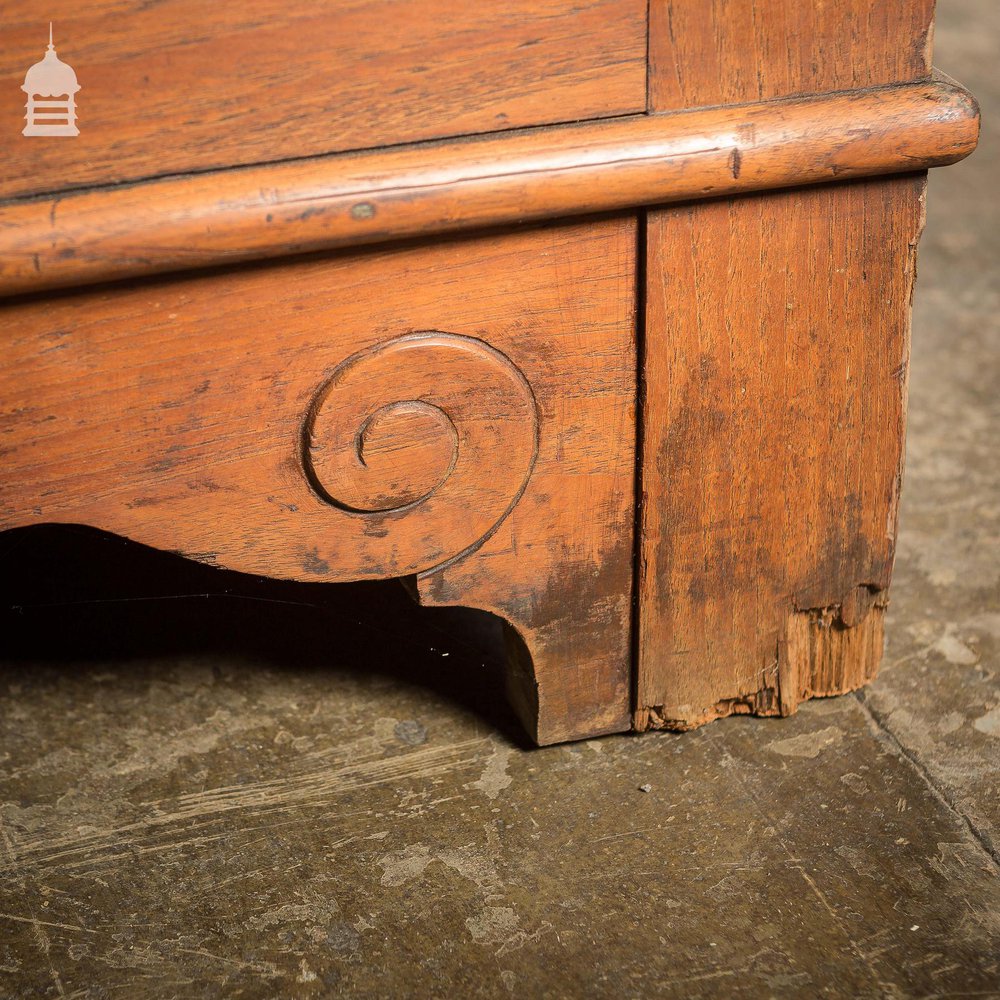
[763, 702]
[831, 650]
[820, 652]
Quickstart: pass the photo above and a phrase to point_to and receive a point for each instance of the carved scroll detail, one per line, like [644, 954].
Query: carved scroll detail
[429, 438]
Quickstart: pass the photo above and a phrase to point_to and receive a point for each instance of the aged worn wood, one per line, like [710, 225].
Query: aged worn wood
[184, 85]
[776, 352]
[461, 412]
[775, 372]
[420, 190]
[749, 50]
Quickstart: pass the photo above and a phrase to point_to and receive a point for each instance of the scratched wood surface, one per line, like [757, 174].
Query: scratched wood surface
[465, 407]
[184, 85]
[777, 342]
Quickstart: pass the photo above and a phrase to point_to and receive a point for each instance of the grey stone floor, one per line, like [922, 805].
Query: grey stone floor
[217, 796]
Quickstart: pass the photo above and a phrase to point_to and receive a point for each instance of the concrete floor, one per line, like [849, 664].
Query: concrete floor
[216, 796]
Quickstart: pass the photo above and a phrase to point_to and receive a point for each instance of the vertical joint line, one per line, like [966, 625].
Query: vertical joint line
[642, 254]
[649, 69]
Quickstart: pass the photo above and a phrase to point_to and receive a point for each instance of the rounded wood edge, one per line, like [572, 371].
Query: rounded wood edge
[247, 214]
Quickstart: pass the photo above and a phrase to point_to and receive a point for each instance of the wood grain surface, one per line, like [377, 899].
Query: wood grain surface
[183, 85]
[755, 50]
[462, 413]
[462, 410]
[426, 189]
[777, 343]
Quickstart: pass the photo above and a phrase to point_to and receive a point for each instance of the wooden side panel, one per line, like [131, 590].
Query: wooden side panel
[777, 338]
[461, 412]
[775, 388]
[705, 52]
[182, 85]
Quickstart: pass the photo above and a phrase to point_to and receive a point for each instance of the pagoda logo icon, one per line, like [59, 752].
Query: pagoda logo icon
[51, 87]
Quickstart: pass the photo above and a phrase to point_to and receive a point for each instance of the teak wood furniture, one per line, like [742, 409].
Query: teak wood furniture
[588, 313]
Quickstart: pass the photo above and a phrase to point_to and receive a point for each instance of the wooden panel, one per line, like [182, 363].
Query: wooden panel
[184, 85]
[297, 421]
[775, 388]
[776, 353]
[419, 190]
[706, 52]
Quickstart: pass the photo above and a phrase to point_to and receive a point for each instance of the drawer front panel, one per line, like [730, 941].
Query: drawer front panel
[183, 85]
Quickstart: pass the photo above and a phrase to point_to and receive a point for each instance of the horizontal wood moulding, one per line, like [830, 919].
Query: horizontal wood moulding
[408, 191]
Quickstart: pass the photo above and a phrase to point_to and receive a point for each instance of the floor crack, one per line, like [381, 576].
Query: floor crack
[886, 736]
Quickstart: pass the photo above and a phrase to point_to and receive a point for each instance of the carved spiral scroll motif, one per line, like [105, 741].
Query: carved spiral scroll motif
[430, 438]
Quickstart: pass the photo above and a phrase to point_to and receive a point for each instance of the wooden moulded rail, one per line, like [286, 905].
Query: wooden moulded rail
[353, 199]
